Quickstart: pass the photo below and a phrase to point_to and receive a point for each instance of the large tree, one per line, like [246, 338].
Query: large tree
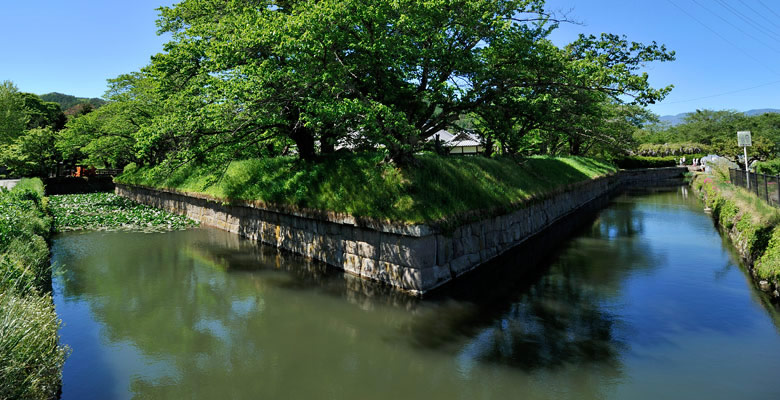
[240, 76]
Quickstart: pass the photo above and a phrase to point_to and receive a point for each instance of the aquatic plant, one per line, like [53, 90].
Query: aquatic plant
[109, 212]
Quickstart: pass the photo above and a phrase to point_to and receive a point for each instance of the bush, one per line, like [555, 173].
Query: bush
[636, 162]
[771, 167]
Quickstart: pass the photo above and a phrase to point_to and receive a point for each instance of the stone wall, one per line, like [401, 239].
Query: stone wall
[414, 258]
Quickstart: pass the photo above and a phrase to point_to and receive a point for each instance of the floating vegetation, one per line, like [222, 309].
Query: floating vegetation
[109, 212]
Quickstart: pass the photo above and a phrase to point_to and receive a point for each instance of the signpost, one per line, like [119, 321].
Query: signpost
[744, 140]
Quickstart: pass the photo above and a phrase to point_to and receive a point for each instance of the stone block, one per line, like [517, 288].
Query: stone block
[460, 265]
[352, 264]
[409, 251]
[350, 246]
[367, 250]
[444, 249]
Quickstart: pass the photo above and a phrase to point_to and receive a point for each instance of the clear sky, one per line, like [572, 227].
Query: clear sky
[73, 46]
[725, 48]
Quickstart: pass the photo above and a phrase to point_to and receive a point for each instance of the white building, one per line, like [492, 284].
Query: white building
[461, 143]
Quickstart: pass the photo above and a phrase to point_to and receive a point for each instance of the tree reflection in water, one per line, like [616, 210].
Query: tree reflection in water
[209, 309]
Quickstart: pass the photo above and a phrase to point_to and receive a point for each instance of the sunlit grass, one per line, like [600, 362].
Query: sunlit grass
[433, 189]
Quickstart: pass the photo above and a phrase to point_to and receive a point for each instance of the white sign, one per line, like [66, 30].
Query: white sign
[743, 138]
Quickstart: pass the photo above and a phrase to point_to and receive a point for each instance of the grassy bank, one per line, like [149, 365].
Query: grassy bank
[30, 359]
[434, 189]
[752, 225]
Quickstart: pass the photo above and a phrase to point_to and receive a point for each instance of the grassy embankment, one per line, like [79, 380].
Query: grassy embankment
[437, 189]
[752, 225]
[30, 358]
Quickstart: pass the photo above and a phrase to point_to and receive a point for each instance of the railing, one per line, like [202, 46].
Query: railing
[764, 186]
[108, 172]
[83, 172]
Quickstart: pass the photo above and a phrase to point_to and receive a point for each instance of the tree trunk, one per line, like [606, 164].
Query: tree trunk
[304, 141]
[327, 142]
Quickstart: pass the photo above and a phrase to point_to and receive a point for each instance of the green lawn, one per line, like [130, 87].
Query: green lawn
[435, 189]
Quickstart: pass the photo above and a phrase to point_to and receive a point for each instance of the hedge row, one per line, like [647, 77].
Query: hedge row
[30, 358]
[636, 162]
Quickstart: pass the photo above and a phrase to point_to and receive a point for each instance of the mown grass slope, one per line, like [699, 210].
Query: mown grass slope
[435, 188]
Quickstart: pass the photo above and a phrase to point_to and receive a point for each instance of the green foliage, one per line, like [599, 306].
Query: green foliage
[107, 211]
[31, 154]
[27, 126]
[636, 162]
[67, 101]
[718, 131]
[30, 359]
[769, 167]
[768, 266]
[13, 120]
[689, 149]
[252, 79]
[24, 228]
[434, 189]
[750, 219]
[42, 114]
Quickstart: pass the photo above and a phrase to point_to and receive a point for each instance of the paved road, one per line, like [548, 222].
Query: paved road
[8, 183]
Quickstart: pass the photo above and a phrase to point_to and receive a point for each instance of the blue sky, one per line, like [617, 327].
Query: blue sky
[725, 48]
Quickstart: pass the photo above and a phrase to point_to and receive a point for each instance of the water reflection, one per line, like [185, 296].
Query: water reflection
[205, 314]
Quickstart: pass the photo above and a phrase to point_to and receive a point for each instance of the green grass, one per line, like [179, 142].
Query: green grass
[107, 211]
[434, 189]
[30, 358]
[24, 229]
[755, 223]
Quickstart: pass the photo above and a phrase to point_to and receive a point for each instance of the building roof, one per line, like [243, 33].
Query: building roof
[462, 139]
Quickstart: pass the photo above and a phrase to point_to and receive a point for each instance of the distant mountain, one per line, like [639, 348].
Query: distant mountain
[761, 111]
[679, 118]
[67, 101]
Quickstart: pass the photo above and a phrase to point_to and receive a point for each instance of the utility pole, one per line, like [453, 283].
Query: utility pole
[744, 140]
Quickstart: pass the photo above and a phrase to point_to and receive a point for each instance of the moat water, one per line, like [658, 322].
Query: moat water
[644, 300]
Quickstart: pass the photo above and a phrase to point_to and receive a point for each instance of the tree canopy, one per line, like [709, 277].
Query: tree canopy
[717, 131]
[258, 78]
[242, 79]
[27, 131]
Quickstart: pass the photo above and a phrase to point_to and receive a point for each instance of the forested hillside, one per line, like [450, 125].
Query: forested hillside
[67, 101]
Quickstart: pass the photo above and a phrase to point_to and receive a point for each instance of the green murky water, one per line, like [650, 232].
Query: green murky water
[645, 302]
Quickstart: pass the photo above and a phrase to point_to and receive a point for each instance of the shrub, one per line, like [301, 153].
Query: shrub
[771, 167]
[636, 162]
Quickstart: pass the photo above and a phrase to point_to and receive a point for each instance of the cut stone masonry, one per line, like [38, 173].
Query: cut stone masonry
[414, 258]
